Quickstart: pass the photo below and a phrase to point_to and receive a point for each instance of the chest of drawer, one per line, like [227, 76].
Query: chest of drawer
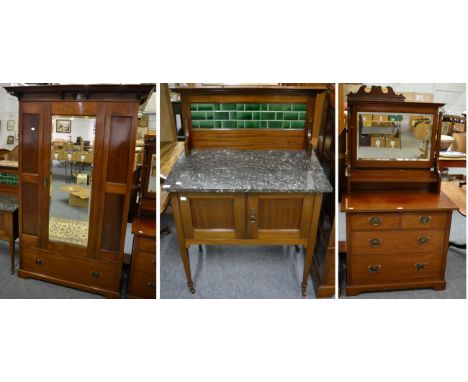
[394, 242]
[374, 221]
[424, 220]
[375, 269]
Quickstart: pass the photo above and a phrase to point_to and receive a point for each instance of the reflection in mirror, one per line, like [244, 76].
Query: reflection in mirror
[72, 152]
[394, 136]
[152, 175]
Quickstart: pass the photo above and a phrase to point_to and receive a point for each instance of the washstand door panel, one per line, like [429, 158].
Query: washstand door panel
[207, 216]
[279, 216]
[31, 180]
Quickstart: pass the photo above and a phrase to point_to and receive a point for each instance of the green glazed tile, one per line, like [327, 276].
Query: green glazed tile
[291, 116]
[232, 115]
[267, 116]
[217, 124]
[223, 115]
[275, 124]
[240, 124]
[286, 125]
[195, 124]
[194, 106]
[198, 115]
[228, 106]
[275, 107]
[206, 124]
[263, 107]
[216, 106]
[279, 116]
[256, 115]
[244, 115]
[299, 107]
[239, 106]
[229, 124]
[209, 115]
[263, 124]
[302, 116]
[205, 106]
[252, 124]
[252, 106]
[297, 124]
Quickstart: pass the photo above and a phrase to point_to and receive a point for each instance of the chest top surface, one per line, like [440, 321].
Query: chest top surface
[395, 201]
[248, 171]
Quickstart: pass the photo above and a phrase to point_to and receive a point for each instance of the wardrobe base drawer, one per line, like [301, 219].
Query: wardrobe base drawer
[375, 269]
[142, 285]
[88, 273]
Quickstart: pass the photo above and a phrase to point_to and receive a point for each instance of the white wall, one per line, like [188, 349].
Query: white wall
[80, 127]
[453, 95]
[9, 108]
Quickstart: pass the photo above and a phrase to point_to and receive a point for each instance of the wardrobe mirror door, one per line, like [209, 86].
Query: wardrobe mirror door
[71, 178]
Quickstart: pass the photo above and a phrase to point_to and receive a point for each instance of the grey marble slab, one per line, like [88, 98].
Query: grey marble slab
[8, 203]
[247, 171]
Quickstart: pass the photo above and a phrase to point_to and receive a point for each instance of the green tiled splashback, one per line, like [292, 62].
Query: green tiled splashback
[8, 178]
[248, 115]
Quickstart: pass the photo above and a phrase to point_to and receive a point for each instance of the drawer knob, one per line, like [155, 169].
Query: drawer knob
[425, 219]
[96, 274]
[253, 217]
[375, 221]
[152, 286]
[373, 269]
[375, 242]
[420, 266]
[423, 240]
[39, 262]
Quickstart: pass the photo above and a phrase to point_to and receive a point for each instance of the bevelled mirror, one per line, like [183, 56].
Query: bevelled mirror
[71, 176]
[393, 136]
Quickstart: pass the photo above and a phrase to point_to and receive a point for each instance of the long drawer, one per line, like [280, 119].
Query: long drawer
[87, 272]
[376, 269]
[394, 242]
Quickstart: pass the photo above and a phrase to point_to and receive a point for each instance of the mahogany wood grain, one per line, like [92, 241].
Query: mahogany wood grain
[364, 221]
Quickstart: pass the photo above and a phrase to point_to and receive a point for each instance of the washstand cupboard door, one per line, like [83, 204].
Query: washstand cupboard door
[31, 172]
[208, 216]
[279, 216]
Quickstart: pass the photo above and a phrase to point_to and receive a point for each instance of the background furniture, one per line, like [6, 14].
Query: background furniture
[255, 179]
[9, 224]
[97, 266]
[397, 219]
[142, 280]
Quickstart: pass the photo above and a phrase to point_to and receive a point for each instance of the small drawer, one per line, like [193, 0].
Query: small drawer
[86, 272]
[144, 261]
[142, 285]
[375, 269]
[375, 221]
[389, 242]
[424, 220]
[147, 244]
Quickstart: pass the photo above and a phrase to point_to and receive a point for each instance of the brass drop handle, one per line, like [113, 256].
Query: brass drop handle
[375, 242]
[420, 266]
[152, 286]
[96, 274]
[423, 239]
[373, 269]
[39, 262]
[375, 221]
[253, 217]
[425, 219]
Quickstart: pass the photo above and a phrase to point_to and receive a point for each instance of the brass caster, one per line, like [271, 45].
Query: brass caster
[200, 248]
[297, 248]
[192, 290]
[304, 290]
